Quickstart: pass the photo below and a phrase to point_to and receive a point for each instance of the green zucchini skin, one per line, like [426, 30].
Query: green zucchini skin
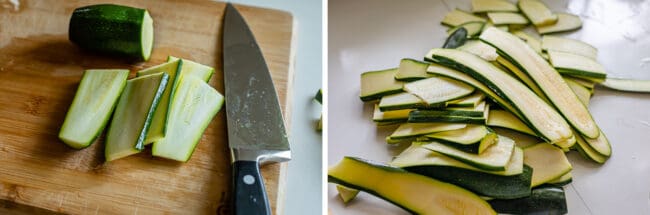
[548, 200]
[111, 29]
[456, 39]
[423, 116]
[483, 184]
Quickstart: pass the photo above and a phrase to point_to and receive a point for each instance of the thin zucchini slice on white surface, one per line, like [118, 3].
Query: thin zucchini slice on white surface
[480, 49]
[473, 138]
[555, 43]
[505, 119]
[565, 22]
[480, 6]
[410, 69]
[92, 106]
[505, 18]
[563, 180]
[457, 17]
[533, 42]
[468, 101]
[628, 85]
[346, 193]
[600, 145]
[588, 152]
[545, 77]
[473, 28]
[537, 12]
[416, 155]
[133, 115]
[589, 84]
[401, 101]
[582, 92]
[391, 115]
[375, 84]
[576, 65]
[410, 130]
[547, 161]
[493, 158]
[436, 91]
[522, 76]
[541, 117]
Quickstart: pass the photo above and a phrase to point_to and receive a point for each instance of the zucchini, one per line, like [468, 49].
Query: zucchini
[545, 77]
[113, 29]
[506, 18]
[584, 82]
[457, 17]
[600, 144]
[401, 101]
[391, 115]
[410, 70]
[191, 111]
[416, 155]
[473, 28]
[502, 27]
[480, 6]
[563, 180]
[523, 77]
[93, 104]
[554, 43]
[468, 101]
[473, 138]
[319, 97]
[450, 116]
[478, 109]
[436, 91]
[494, 158]
[548, 200]
[582, 92]
[456, 38]
[547, 161]
[346, 193]
[415, 193]
[541, 117]
[483, 184]
[376, 84]
[532, 41]
[576, 65]
[410, 130]
[159, 122]
[627, 85]
[565, 22]
[195, 69]
[133, 115]
[537, 12]
[480, 49]
[586, 151]
[505, 119]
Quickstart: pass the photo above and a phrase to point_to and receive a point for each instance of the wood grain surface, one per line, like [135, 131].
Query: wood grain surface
[39, 73]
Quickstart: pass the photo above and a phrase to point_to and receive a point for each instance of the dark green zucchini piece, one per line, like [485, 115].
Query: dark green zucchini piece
[473, 138]
[423, 116]
[411, 130]
[456, 39]
[547, 200]
[319, 96]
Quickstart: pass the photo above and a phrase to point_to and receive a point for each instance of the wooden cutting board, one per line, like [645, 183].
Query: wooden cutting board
[39, 73]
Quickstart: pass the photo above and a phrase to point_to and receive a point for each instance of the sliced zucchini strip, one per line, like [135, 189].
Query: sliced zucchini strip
[586, 151]
[415, 193]
[401, 101]
[346, 193]
[480, 49]
[473, 28]
[473, 138]
[436, 91]
[628, 85]
[569, 45]
[537, 12]
[582, 92]
[410, 69]
[195, 69]
[505, 119]
[543, 200]
[538, 114]
[410, 130]
[133, 115]
[457, 17]
[375, 84]
[576, 65]
[92, 106]
[505, 18]
[545, 77]
[469, 101]
[565, 22]
[480, 6]
[478, 109]
[391, 115]
[584, 82]
[600, 144]
[451, 116]
[495, 157]
[416, 155]
[547, 161]
[523, 77]
[563, 180]
[191, 111]
[532, 41]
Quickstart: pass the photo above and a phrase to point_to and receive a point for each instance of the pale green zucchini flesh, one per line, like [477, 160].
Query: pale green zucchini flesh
[576, 65]
[457, 17]
[480, 49]
[547, 161]
[545, 77]
[537, 12]
[133, 115]
[493, 158]
[582, 92]
[346, 193]
[480, 6]
[376, 84]
[195, 69]
[473, 138]
[565, 22]
[391, 115]
[401, 101]
[541, 117]
[563, 180]
[469, 101]
[586, 151]
[410, 130]
[522, 76]
[532, 41]
[473, 28]
[191, 111]
[555, 43]
[410, 69]
[600, 144]
[436, 91]
[92, 106]
[505, 119]
[505, 18]
[628, 85]
[415, 193]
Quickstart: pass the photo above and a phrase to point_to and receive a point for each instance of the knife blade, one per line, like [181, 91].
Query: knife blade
[256, 130]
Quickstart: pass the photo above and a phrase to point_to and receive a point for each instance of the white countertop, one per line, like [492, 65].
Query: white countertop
[304, 181]
[369, 35]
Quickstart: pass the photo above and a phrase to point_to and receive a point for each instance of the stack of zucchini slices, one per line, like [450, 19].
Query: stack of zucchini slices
[169, 105]
[493, 115]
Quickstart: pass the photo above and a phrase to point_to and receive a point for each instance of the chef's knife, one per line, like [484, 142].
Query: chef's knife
[256, 132]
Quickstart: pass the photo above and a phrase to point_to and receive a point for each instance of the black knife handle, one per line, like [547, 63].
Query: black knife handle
[250, 196]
